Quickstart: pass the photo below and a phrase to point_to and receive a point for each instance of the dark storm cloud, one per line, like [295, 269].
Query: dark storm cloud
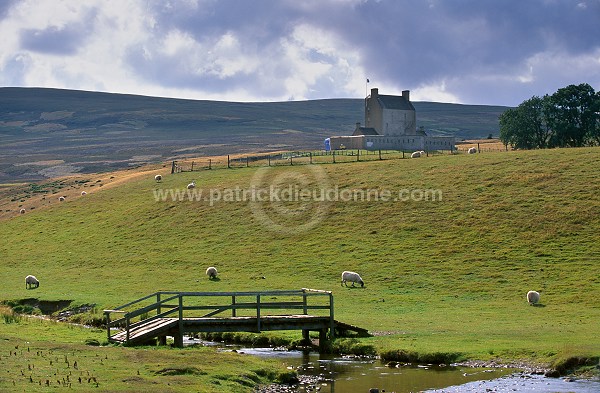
[415, 41]
[409, 42]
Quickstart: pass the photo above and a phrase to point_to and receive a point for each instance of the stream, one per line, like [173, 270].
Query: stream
[336, 374]
[325, 373]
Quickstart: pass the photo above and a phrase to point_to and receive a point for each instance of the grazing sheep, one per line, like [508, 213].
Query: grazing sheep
[158, 177]
[351, 277]
[472, 150]
[423, 153]
[61, 198]
[416, 154]
[191, 185]
[31, 282]
[83, 193]
[533, 297]
[22, 211]
[211, 272]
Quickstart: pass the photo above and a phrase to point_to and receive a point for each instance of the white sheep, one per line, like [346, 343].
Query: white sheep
[351, 277]
[191, 185]
[423, 153]
[31, 282]
[472, 150]
[61, 198]
[22, 211]
[533, 297]
[211, 272]
[83, 193]
[416, 154]
[158, 178]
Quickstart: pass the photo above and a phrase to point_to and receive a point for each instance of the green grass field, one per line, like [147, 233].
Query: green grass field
[38, 355]
[441, 276]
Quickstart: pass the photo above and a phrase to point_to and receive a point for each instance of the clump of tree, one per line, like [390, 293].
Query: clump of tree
[568, 118]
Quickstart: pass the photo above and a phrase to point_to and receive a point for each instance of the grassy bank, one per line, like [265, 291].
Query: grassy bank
[38, 354]
[441, 276]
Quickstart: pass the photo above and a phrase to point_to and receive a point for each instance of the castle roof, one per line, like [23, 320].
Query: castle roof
[395, 102]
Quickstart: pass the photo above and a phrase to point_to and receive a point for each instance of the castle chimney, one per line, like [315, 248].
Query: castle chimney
[374, 92]
[406, 95]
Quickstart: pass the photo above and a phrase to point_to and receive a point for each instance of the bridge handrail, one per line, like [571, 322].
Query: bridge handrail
[217, 309]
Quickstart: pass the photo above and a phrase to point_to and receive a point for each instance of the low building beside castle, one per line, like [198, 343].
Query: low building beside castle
[390, 124]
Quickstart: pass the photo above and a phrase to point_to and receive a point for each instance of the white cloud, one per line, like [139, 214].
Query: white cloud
[435, 92]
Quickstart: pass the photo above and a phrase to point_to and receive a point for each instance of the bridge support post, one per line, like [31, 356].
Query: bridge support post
[178, 340]
[306, 336]
[322, 340]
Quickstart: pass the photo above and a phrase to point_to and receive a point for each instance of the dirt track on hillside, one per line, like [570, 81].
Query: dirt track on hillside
[46, 193]
[14, 197]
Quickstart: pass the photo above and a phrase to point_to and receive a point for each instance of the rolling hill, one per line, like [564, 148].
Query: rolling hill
[51, 132]
[447, 274]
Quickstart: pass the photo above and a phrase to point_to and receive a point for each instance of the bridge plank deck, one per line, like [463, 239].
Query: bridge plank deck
[247, 315]
[169, 326]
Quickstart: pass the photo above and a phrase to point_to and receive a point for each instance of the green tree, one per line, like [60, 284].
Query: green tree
[571, 115]
[534, 121]
[508, 127]
[512, 129]
[568, 118]
[594, 136]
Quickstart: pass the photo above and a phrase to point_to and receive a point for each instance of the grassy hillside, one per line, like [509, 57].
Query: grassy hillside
[448, 275]
[49, 132]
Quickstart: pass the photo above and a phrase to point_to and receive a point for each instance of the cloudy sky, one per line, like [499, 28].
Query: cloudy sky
[493, 52]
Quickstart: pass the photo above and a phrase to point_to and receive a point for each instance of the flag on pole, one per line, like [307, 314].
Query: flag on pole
[368, 80]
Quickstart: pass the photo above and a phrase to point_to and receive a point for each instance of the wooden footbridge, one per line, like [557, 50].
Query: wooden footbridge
[176, 314]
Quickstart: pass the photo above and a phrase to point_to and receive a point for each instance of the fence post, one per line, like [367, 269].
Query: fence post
[310, 156]
[158, 308]
[179, 337]
[173, 164]
[380, 154]
[210, 163]
[333, 155]
[107, 313]
[331, 318]
[247, 161]
[258, 313]
[402, 153]
[478, 150]
[233, 310]
[228, 162]
[304, 303]
[192, 170]
[269, 159]
[358, 155]
[291, 160]
[127, 328]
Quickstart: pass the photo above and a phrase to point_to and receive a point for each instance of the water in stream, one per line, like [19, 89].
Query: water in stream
[342, 375]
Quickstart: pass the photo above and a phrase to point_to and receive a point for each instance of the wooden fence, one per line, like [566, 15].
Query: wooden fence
[291, 158]
[321, 157]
